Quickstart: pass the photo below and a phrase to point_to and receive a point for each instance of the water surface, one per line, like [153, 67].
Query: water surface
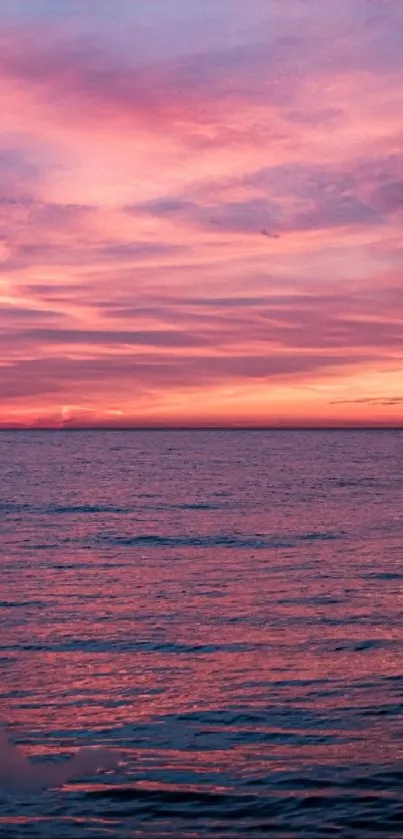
[223, 607]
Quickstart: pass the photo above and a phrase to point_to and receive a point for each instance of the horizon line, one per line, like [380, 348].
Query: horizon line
[313, 427]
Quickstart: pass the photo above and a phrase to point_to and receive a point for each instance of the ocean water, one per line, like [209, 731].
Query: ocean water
[222, 607]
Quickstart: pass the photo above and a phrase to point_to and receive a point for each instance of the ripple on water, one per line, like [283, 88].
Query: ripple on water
[225, 610]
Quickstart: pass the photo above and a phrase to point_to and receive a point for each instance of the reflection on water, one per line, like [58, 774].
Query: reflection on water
[222, 607]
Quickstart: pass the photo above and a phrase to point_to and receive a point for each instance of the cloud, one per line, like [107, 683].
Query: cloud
[237, 217]
[147, 373]
[389, 196]
[142, 158]
[295, 198]
[380, 401]
[17, 313]
[106, 338]
[318, 318]
[62, 254]
[190, 92]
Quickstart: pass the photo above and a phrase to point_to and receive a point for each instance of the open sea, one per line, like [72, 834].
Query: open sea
[225, 608]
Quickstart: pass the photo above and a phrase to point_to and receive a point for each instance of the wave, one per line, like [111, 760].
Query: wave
[19, 775]
[127, 645]
[256, 541]
[339, 809]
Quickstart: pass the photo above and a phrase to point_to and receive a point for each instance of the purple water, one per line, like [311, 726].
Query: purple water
[223, 607]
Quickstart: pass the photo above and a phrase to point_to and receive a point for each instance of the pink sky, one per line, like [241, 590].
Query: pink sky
[201, 212]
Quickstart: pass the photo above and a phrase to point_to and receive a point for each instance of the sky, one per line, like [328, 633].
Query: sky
[201, 210]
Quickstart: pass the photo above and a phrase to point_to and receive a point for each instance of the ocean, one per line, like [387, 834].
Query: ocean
[224, 608]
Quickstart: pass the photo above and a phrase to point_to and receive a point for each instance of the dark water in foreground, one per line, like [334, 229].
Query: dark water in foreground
[226, 609]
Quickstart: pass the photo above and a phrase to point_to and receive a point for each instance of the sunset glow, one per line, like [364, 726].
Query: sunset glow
[201, 212]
